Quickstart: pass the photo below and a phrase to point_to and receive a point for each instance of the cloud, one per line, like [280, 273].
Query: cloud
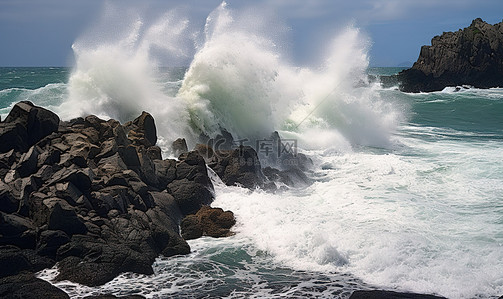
[395, 10]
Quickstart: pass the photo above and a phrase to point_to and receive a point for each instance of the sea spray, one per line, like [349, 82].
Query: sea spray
[119, 77]
[423, 216]
[239, 80]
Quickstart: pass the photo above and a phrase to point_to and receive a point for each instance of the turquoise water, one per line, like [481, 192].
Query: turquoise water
[31, 77]
[46, 86]
[422, 213]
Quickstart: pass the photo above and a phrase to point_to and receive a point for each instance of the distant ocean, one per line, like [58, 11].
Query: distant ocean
[407, 192]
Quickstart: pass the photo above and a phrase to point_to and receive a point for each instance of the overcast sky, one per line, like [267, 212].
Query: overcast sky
[41, 32]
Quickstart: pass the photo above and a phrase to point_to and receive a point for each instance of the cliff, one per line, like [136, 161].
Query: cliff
[470, 56]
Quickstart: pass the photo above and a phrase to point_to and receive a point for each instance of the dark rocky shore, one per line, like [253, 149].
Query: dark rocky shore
[95, 198]
[472, 56]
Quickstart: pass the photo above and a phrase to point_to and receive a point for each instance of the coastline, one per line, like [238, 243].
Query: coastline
[96, 198]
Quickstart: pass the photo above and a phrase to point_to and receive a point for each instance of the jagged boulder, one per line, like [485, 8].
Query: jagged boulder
[192, 188]
[179, 146]
[50, 241]
[25, 125]
[14, 260]
[63, 217]
[92, 195]
[94, 262]
[243, 165]
[142, 130]
[17, 230]
[191, 227]
[8, 202]
[190, 196]
[240, 166]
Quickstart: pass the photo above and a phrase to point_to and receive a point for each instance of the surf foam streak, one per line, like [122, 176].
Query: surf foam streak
[50, 96]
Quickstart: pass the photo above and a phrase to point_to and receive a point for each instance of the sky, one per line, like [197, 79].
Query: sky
[41, 32]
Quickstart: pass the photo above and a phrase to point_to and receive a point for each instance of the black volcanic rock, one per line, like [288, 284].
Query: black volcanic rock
[179, 146]
[142, 130]
[192, 188]
[17, 230]
[189, 196]
[96, 198]
[14, 260]
[239, 166]
[471, 56]
[27, 286]
[92, 195]
[242, 165]
[191, 227]
[25, 125]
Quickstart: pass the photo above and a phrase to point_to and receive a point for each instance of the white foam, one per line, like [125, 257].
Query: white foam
[49, 96]
[118, 77]
[240, 80]
[428, 222]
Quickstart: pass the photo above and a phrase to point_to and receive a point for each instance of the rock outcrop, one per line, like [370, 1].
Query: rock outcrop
[94, 196]
[471, 56]
[245, 166]
[25, 125]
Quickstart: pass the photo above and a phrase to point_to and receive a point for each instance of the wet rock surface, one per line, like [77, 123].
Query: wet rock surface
[275, 166]
[26, 285]
[95, 197]
[91, 195]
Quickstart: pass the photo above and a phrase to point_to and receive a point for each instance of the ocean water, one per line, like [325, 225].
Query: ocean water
[408, 188]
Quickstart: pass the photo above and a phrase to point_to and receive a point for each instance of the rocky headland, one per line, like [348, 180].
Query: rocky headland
[471, 56]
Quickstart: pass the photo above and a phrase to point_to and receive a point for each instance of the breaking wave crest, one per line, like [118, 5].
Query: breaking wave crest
[239, 80]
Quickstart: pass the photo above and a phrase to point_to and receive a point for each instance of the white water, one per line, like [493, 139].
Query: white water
[418, 223]
[417, 215]
[238, 80]
[117, 76]
[50, 96]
